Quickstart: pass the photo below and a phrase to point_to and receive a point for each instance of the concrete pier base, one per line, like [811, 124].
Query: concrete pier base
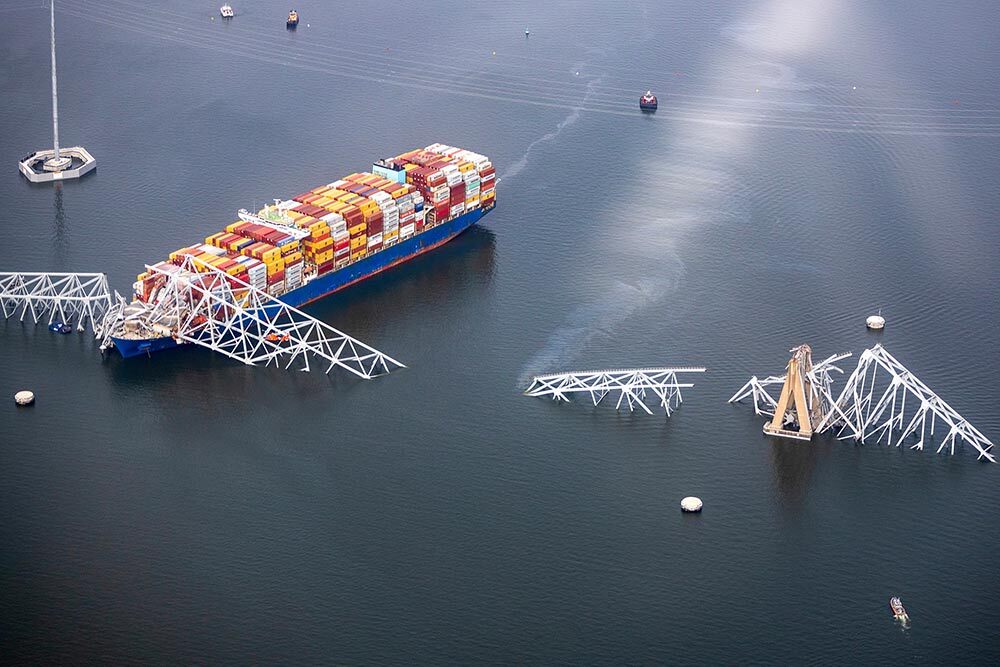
[40, 167]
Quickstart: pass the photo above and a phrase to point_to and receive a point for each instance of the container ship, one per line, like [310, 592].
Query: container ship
[302, 249]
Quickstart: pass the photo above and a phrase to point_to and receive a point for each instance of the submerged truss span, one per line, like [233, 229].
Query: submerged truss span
[905, 407]
[632, 385]
[881, 401]
[80, 298]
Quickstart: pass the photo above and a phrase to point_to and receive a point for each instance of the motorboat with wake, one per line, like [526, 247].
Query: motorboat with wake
[899, 611]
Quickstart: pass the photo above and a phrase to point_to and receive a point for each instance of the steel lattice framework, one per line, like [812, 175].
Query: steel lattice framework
[820, 397]
[631, 384]
[881, 400]
[861, 416]
[199, 304]
[83, 298]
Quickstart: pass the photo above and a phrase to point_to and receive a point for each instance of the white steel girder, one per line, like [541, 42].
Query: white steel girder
[83, 298]
[820, 380]
[865, 410]
[862, 412]
[199, 304]
[632, 385]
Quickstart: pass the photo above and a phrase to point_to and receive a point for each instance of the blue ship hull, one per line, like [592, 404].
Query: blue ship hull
[336, 280]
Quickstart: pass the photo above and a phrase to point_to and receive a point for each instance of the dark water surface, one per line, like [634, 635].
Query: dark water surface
[811, 162]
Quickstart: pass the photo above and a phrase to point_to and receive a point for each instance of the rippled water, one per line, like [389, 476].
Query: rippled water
[811, 162]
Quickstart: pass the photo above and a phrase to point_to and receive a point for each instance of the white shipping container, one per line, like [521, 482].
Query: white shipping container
[374, 239]
[406, 230]
[332, 218]
[277, 288]
[212, 250]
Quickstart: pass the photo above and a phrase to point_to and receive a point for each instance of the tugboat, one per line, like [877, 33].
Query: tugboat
[226, 11]
[293, 19]
[648, 101]
[899, 611]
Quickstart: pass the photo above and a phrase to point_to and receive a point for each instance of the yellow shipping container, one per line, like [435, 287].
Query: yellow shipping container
[359, 242]
[324, 257]
[320, 190]
[319, 246]
[390, 236]
[323, 201]
[211, 240]
[361, 254]
[464, 167]
[358, 229]
[293, 257]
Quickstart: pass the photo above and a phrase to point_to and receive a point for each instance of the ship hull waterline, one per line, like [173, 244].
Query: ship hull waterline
[334, 281]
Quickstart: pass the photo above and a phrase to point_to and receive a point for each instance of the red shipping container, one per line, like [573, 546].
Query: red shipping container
[277, 276]
[342, 252]
[301, 197]
[345, 243]
[325, 267]
[457, 194]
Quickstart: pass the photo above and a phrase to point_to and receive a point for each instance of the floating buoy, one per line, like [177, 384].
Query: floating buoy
[24, 398]
[691, 504]
[876, 322]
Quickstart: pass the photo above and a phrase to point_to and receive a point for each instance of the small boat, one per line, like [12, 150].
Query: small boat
[226, 11]
[648, 101]
[60, 328]
[898, 610]
[526, 32]
[293, 19]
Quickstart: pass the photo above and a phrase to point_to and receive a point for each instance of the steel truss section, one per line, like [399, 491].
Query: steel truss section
[631, 384]
[819, 398]
[863, 413]
[199, 304]
[83, 298]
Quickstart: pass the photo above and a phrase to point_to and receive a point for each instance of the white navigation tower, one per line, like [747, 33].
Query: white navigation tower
[55, 164]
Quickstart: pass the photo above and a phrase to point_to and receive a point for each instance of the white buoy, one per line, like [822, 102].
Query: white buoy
[876, 322]
[24, 398]
[691, 504]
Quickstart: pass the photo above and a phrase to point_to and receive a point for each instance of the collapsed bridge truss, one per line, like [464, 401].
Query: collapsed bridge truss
[199, 304]
[632, 385]
[881, 400]
[80, 298]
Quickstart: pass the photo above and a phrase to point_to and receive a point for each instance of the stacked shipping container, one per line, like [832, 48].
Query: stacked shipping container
[334, 225]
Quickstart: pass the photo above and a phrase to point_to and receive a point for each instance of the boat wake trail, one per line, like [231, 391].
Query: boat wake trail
[515, 168]
[586, 323]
